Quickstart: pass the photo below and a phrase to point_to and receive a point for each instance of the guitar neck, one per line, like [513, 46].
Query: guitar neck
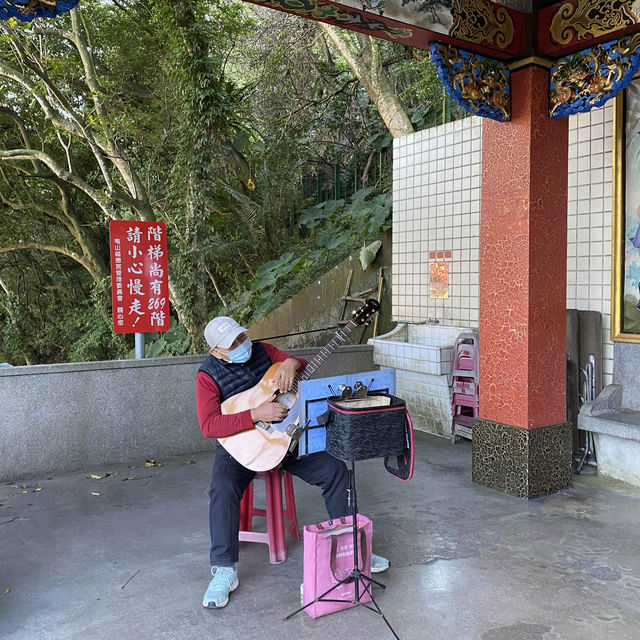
[320, 358]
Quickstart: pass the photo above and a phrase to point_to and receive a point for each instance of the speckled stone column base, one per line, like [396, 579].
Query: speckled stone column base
[522, 462]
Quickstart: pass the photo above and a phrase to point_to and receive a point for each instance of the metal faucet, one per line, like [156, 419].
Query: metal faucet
[433, 321]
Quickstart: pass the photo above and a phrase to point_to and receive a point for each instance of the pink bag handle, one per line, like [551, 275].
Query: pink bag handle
[319, 526]
[334, 544]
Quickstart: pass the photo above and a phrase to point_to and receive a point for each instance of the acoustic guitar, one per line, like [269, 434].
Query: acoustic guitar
[263, 447]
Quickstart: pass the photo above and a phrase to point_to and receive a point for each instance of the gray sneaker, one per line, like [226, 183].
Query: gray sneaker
[225, 580]
[378, 563]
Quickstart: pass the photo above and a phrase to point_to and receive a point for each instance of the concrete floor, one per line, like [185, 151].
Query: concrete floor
[467, 562]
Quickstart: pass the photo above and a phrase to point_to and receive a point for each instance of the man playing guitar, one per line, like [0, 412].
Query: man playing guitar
[235, 365]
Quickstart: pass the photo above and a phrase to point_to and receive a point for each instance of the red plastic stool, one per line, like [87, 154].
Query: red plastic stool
[465, 400]
[465, 363]
[281, 518]
[464, 385]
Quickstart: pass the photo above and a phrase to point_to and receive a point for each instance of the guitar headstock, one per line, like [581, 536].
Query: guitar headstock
[364, 312]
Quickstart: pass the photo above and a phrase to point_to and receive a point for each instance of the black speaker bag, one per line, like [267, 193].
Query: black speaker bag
[365, 428]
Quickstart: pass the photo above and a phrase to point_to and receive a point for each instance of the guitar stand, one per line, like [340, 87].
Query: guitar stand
[356, 575]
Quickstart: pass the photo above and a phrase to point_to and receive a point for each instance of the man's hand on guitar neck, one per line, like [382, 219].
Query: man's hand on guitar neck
[286, 374]
[269, 411]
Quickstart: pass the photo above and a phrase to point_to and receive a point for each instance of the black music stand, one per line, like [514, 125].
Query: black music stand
[335, 432]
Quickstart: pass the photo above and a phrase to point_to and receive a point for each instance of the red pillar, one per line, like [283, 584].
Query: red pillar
[520, 440]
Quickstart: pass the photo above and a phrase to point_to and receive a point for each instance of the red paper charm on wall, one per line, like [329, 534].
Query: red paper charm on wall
[438, 279]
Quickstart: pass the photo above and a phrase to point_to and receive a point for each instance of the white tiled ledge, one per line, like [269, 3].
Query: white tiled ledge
[424, 348]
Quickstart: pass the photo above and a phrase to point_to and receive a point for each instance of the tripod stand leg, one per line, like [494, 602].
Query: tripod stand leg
[377, 609]
[321, 598]
[378, 584]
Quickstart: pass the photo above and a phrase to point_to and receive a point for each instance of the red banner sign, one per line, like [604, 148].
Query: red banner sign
[139, 276]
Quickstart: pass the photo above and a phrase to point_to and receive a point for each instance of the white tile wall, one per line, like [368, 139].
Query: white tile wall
[428, 400]
[436, 207]
[589, 220]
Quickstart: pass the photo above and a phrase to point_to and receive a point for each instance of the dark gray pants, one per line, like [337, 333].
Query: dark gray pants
[229, 480]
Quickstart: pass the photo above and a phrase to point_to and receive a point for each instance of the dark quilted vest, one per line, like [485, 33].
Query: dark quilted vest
[234, 378]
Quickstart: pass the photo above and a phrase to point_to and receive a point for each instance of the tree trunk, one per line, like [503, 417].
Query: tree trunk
[12, 318]
[366, 64]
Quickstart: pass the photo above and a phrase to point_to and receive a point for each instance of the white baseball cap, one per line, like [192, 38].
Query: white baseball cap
[222, 331]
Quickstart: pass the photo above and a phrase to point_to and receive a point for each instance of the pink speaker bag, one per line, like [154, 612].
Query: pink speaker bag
[328, 558]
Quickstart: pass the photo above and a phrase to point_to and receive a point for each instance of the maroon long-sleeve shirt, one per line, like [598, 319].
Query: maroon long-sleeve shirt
[212, 423]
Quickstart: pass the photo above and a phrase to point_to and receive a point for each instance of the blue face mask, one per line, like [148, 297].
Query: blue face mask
[241, 354]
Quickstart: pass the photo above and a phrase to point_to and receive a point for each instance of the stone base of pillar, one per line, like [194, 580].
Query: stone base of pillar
[526, 463]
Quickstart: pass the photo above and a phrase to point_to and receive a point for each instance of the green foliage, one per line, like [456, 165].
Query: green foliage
[313, 217]
[358, 220]
[174, 342]
[40, 328]
[426, 101]
[269, 273]
[89, 332]
[338, 228]
[380, 141]
[369, 252]
[232, 121]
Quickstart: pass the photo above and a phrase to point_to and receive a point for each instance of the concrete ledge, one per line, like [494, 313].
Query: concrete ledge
[422, 355]
[616, 432]
[623, 424]
[66, 417]
[605, 415]
[423, 348]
